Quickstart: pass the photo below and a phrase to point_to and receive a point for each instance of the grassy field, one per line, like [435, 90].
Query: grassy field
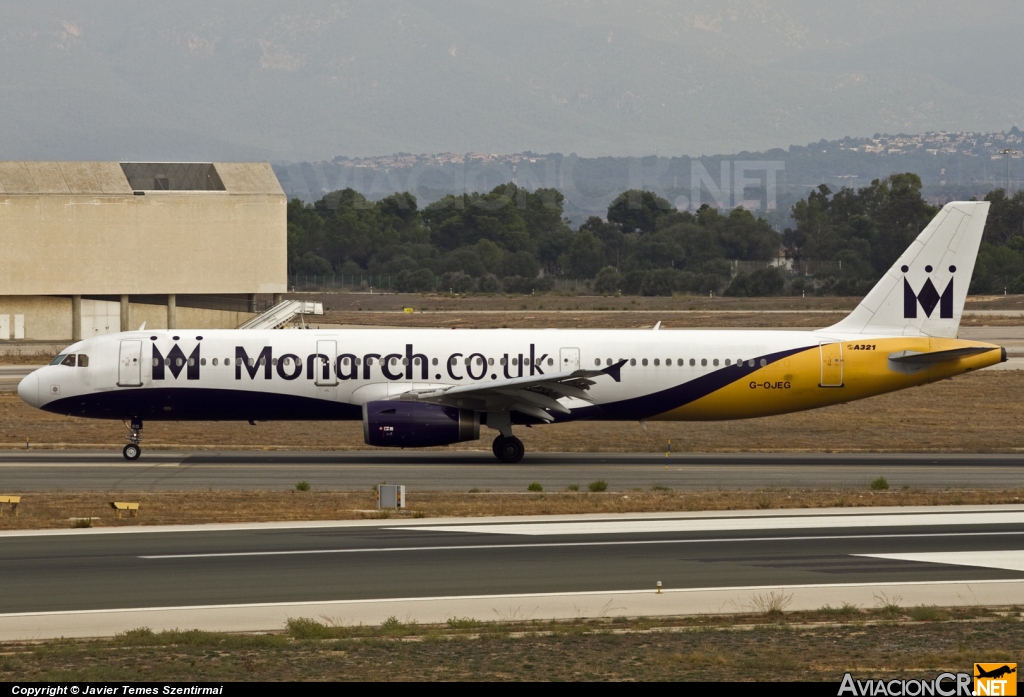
[61, 510]
[885, 642]
[366, 302]
[987, 407]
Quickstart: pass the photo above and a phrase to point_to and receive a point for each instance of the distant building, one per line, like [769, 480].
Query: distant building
[96, 247]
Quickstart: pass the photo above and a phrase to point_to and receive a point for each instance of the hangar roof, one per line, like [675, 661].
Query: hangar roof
[112, 178]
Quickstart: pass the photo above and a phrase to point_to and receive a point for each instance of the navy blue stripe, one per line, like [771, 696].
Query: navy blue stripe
[651, 405]
[203, 404]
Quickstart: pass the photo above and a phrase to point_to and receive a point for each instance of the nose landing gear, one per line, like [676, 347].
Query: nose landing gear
[132, 451]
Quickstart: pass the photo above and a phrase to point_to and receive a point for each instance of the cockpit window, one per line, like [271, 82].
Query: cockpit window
[83, 361]
[58, 360]
[69, 360]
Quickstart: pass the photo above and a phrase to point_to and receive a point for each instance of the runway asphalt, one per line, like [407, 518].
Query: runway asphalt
[93, 470]
[425, 567]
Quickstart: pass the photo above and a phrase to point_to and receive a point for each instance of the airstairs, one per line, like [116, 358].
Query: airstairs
[281, 314]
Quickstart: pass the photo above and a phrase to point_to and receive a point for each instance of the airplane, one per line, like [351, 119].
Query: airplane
[994, 673]
[434, 387]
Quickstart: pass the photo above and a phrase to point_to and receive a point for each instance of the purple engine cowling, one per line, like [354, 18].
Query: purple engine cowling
[417, 424]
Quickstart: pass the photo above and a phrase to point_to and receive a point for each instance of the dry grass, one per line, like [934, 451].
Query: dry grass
[811, 646]
[985, 407]
[60, 510]
[569, 319]
[350, 302]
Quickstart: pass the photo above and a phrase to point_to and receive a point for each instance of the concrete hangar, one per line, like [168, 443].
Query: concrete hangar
[91, 248]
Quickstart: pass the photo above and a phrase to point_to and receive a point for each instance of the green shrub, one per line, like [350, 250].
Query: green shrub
[305, 628]
[82, 523]
[535, 486]
[880, 484]
[302, 486]
[927, 613]
[846, 610]
[598, 485]
[573, 487]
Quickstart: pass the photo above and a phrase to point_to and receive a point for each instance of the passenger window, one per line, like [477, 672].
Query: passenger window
[83, 361]
[716, 361]
[551, 361]
[693, 361]
[434, 361]
[215, 361]
[728, 362]
[657, 361]
[703, 361]
[58, 360]
[644, 361]
[69, 360]
[632, 361]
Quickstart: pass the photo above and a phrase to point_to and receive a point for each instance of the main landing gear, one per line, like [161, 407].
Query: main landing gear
[132, 451]
[508, 449]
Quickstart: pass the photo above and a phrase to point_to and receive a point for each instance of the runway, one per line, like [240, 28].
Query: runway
[94, 470]
[254, 576]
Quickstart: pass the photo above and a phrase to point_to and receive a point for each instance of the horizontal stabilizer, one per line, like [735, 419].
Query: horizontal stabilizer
[932, 357]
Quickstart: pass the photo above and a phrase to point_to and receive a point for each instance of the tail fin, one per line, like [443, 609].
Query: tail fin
[923, 293]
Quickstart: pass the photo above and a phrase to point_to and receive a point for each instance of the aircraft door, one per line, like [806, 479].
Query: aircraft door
[325, 374]
[831, 364]
[129, 370]
[569, 359]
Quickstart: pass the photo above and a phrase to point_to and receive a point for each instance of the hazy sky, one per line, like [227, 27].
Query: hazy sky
[309, 80]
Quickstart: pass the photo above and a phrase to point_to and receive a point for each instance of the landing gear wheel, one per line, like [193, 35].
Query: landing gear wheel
[496, 446]
[509, 449]
[131, 452]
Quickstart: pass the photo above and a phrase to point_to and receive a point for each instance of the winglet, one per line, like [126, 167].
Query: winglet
[657, 326]
[614, 370]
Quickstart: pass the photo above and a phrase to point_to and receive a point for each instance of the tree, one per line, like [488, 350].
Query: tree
[758, 283]
[637, 211]
[608, 280]
[584, 257]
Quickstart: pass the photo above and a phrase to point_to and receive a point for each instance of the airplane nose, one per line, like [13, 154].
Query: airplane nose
[28, 389]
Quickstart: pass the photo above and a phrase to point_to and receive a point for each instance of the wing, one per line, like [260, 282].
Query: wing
[534, 396]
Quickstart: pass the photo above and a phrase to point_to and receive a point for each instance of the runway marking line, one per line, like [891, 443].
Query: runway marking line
[903, 514]
[643, 591]
[1011, 560]
[700, 525]
[608, 543]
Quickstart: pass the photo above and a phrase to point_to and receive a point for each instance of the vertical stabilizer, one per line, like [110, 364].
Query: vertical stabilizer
[923, 293]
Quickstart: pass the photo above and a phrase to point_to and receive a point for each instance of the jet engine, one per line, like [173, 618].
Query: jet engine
[417, 424]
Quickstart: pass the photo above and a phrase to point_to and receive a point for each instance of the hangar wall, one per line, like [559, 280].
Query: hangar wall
[72, 229]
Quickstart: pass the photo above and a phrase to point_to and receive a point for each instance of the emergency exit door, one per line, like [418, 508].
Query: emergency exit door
[831, 364]
[324, 370]
[129, 369]
[569, 359]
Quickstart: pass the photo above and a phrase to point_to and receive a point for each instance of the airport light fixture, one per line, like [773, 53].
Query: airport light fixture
[1007, 152]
